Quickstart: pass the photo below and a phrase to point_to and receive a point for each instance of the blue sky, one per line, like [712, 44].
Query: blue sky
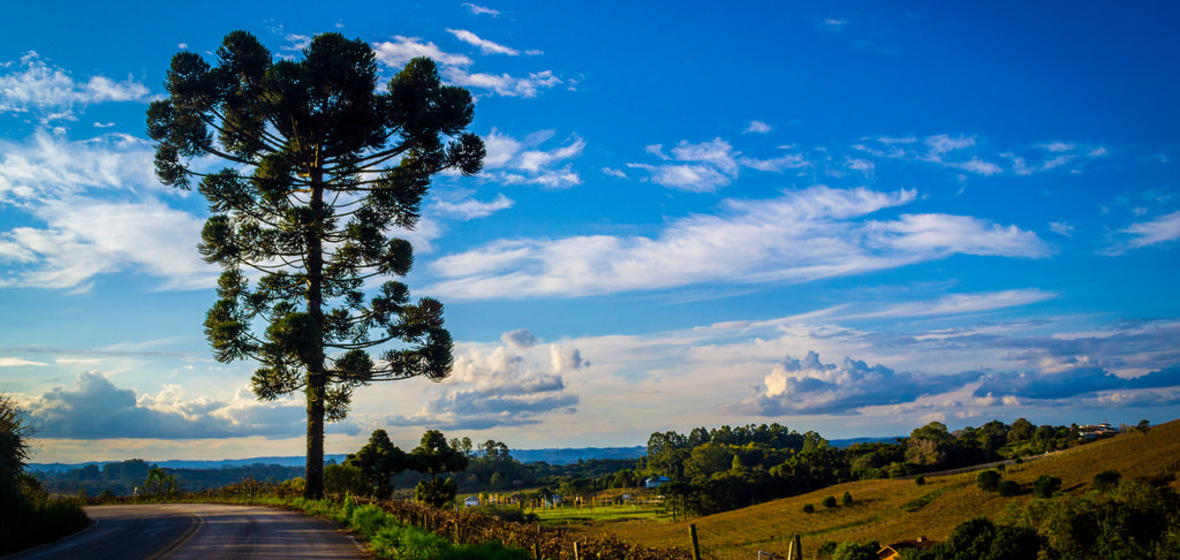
[854, 219]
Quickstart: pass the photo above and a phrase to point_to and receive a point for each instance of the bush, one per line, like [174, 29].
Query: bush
[830, 502]
[346, 479]
[1106, 481]
[852, 550]
[511, 515]
[847, 499]
[436, 493]
[1045, 486]
[988, 481]
[826, 549]
[808, 508]
[920, 481]
[1008, 488]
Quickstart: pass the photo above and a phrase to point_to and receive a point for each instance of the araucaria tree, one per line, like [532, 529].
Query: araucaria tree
[321, 169]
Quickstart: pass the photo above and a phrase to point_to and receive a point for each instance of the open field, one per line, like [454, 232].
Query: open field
[893, 510]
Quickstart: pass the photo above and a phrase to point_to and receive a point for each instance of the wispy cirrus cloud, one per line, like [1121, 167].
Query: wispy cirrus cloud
[470, 208]
[1157, 231]
[456, 67]
[51, 93]
[707, 166]
[485, 46]
[513, 162]
[477, 10]
[798, 237]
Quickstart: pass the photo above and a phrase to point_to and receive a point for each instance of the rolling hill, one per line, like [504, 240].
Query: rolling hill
[891, 510]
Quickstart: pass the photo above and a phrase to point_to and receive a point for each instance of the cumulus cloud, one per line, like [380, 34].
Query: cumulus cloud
[95, 408]
[797, 237]
[35, 86]
[809, 386]
[395, 54]
[512, 162]
[503, 386]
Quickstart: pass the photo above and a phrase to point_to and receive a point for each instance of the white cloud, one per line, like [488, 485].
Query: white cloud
[485, 46]
[616, 173]
[397, 53]
[1062, 228]
[1152, 232]
[14, 362]
[49, 167]
[511, 161]
[501, 386]
[798, 237]
[757, 127]
[503, 84]
[471, 208]
[51, 91]
[708, 166]
[481, 10]
[692, 178]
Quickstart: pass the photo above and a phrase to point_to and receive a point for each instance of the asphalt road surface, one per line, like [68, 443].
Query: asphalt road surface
[199, 531]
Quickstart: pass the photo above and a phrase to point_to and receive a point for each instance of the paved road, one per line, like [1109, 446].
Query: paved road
[199, 531]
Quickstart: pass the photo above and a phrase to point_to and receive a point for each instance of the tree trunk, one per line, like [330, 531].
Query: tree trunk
[316, 377]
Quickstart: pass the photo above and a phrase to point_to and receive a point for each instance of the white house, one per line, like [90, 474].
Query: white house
[471, 501]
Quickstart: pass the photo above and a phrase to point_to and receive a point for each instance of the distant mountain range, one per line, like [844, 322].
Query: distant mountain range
[553, 456]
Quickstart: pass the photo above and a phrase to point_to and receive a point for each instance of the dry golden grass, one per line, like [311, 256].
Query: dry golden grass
[893, 510]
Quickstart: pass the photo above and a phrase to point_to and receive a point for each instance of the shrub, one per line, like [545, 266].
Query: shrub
[988, 481]
[809, 509]
[1008, 488]
[1045, 486]
[847, 499]
[1106, 481]
[830, 502]
[920, 481]
[852, 550]
[826, 549]
[436, 493]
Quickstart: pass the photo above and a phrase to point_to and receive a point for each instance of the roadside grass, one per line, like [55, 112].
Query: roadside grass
[37, 521]
[892, 510]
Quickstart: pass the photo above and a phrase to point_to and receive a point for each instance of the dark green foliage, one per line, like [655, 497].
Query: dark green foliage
[980, 539]
[509, 514]
[28, 516]
[1008, 488]
[988, 481]
[1106, 481]
[826, 549]
[347, 479]
[853, 550]
[847, 499]
[438, 492]
[809, 508]
[160, 485]
[920, 480]
[1044, 486]
[829, 502]
[379, 460]
[322, 166]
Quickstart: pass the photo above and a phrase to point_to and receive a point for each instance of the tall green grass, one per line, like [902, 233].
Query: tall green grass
[31, 522]
[388, 538]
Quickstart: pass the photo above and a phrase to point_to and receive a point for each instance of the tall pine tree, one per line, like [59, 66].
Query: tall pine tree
[321, 169]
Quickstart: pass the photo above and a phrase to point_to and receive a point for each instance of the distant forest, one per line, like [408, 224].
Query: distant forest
[709, 470]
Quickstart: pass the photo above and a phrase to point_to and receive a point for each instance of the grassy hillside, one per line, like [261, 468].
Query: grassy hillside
[893, 510]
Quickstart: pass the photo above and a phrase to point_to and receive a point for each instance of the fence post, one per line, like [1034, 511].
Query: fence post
[696, 545]
[797, 547]
[577, 556]
[537, 550]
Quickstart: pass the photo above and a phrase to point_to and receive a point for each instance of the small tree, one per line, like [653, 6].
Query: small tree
[346, 479]
[160, 485]
[808, 508]
[847, 499]
[322, 168]
[1044, 486]
[434, 456]
[830, 502]
[988, 481]
[380, 460]
[14, 452]
[920, 481]
[1008, 488]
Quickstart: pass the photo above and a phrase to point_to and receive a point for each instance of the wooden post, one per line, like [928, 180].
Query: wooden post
[797, 547]
[696, 545]
[577, 555]
[790, 550]
[537, 550]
